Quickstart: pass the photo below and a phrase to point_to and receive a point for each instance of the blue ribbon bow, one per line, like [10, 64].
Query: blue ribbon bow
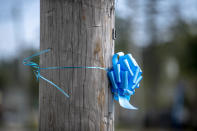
[125, 76]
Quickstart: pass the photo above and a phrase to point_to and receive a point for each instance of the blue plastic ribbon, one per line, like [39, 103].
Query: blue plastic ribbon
[125, 76]
[36, 69]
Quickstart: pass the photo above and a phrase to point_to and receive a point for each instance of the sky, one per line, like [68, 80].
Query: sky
[17, 33]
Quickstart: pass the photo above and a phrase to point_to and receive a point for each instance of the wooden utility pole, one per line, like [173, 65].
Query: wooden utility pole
[79, 33]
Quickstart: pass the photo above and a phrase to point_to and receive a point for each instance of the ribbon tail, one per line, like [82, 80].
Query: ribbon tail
[55, 86]
[125, 103]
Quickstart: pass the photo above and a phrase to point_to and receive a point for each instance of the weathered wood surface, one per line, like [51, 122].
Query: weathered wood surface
[79, 33]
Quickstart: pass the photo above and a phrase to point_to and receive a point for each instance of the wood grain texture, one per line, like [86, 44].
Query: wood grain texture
[79, 33]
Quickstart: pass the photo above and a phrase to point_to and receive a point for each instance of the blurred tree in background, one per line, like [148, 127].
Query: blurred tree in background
[169, 67]
[162, 38]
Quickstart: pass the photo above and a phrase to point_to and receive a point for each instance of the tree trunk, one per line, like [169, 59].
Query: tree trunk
[79, 33]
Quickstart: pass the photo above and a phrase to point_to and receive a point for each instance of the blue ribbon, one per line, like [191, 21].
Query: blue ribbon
[125, 75]
[36, 69]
